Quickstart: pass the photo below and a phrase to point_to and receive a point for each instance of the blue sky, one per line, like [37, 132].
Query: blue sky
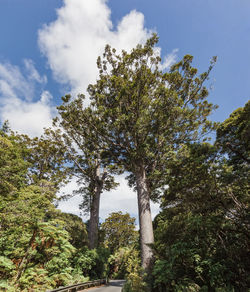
[200, 28]
[46, 53]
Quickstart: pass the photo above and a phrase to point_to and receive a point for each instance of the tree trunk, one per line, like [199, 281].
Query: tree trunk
[145, 219]
[94, 211]
[94, 220]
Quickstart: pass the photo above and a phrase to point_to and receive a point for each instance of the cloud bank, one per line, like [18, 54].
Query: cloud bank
[78, 36]
[18, 101]
[71, 45]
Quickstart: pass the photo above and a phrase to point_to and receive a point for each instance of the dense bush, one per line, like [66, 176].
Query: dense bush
[39, 244]
[199, 253]
[202, 234]
[92, 263]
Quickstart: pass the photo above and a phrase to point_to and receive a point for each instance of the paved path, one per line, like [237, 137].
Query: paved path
[113, 286]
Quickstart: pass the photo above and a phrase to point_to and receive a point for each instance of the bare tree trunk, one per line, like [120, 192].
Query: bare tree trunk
[94, 219]
[145, 219]
[94, 210]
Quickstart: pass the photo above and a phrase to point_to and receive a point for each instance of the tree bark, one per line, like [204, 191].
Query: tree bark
[94, 211]
[145, 219]
[94, 220]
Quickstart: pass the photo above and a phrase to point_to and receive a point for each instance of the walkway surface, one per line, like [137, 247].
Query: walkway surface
[113, 286]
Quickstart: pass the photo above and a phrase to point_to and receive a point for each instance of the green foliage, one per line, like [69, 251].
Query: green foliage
[35, 247]
[141, 114]
[206, 252]
[119, 231]
[121, 238]
[6, 267]
[82, 150]
[130, 267]
[40, 250]
[92, 263]
[124, 262]
[76, 229]
[202, 233]
[74, 225]
[119, 260]
[35, 250]
[233, 136]
[48, 160]
[13, 167]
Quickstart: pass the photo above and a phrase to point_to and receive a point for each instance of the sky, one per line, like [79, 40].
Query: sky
[48, 48]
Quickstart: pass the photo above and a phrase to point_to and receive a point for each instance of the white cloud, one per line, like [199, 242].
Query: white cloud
[33, 73]
[13, 83]
[78, 36]
[70, 205]
[168, 60]
[123, 198]
[17, 99]
[74, 40]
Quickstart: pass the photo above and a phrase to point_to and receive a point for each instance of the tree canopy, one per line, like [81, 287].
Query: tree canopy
[85, 155]
[119, 231]
[141, 116]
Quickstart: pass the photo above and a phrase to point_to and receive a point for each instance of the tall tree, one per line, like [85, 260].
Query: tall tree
[142, 115]
[92, 170]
